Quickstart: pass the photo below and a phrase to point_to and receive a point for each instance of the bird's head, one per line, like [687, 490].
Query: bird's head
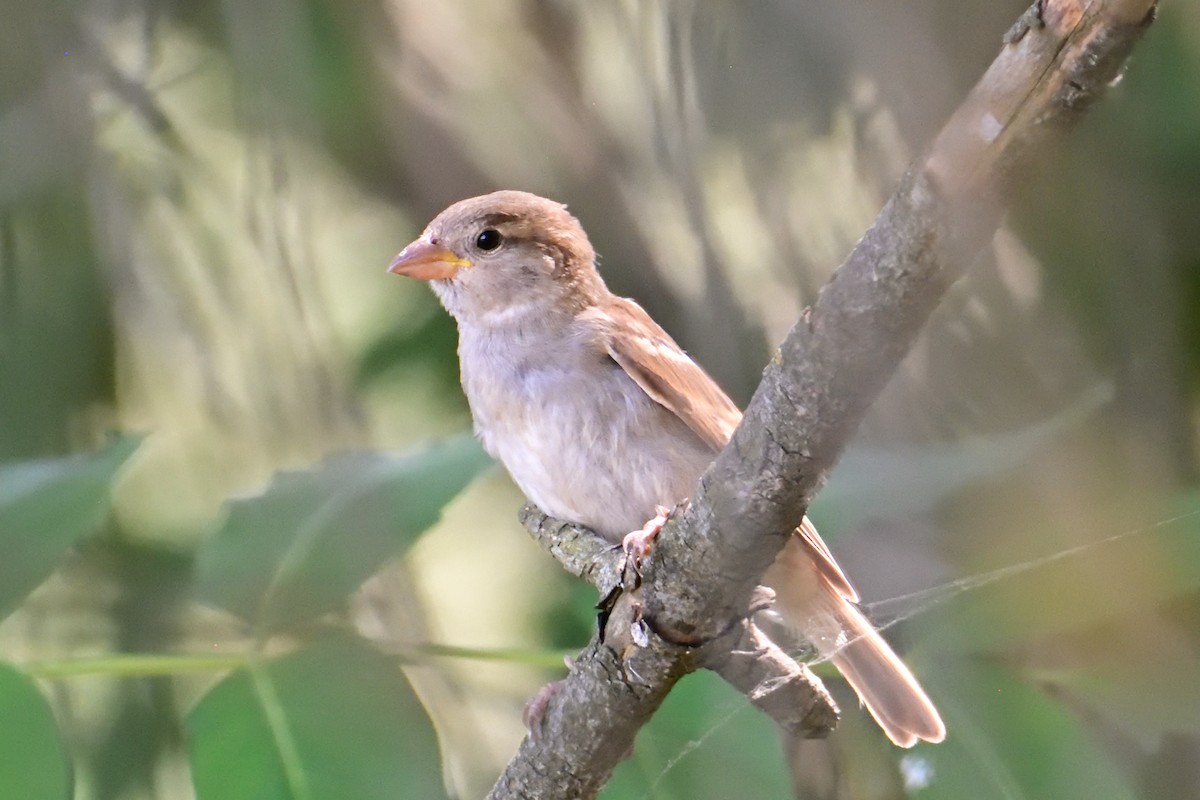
[497, 257]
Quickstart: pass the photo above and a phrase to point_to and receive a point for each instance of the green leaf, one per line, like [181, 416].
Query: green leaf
[33, 762]
[1008, 741]
[313, 537]
[45, 507]
[706, 741]
[337, 721]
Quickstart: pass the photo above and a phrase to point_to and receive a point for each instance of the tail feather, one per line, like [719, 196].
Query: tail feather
[884, 684]
[815, 600]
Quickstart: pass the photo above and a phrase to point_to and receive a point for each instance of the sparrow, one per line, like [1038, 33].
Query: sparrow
[601, 418]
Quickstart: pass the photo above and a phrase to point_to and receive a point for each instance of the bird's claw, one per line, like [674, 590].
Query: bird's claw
[637, 544]
[534, 712]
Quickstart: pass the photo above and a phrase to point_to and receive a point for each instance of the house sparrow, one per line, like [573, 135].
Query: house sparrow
[600, 417]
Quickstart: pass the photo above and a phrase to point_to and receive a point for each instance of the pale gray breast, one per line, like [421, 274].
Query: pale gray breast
[594, 450]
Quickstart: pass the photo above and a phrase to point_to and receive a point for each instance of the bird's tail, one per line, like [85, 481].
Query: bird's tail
[815, 600]
[883, 683]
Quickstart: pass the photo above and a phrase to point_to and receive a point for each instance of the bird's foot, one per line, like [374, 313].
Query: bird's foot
[637, 544]
[534, 712]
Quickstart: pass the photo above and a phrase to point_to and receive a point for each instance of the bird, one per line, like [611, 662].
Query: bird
[600, 418]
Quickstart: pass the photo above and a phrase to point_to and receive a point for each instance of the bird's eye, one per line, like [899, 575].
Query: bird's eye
[489, 239]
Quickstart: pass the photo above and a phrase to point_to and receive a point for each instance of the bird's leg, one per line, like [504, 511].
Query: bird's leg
[637, 544]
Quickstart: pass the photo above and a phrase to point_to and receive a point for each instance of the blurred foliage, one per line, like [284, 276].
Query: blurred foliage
[47, 505]
[294, 552]
[291, 729]
[34, 761]
[197, 203]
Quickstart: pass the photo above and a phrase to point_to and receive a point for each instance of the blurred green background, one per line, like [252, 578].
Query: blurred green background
[219, 416]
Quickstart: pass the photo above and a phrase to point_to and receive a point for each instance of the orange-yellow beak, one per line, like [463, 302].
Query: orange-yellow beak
[427, 262]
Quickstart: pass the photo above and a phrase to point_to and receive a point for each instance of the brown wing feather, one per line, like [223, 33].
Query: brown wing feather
[829, 569]
[656, 363]
[665, 372]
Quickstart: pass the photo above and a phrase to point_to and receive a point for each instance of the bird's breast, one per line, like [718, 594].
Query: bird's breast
[579, 436]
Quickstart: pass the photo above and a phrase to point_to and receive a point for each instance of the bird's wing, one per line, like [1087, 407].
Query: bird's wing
[672, 379]
[664, 371]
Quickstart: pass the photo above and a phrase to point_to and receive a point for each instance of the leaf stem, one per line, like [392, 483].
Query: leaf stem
[150, 665]
[135, 665]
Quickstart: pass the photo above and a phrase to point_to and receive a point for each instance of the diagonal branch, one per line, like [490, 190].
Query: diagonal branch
[744, 656]
[707, 562]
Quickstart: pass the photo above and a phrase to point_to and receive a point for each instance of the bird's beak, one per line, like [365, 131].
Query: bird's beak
[427, 261]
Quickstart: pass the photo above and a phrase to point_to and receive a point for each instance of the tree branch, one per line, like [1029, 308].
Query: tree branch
[582, 552]
[754, 665]
[707, 562]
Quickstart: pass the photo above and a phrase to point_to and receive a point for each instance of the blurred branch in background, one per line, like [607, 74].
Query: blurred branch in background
[196, 207]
